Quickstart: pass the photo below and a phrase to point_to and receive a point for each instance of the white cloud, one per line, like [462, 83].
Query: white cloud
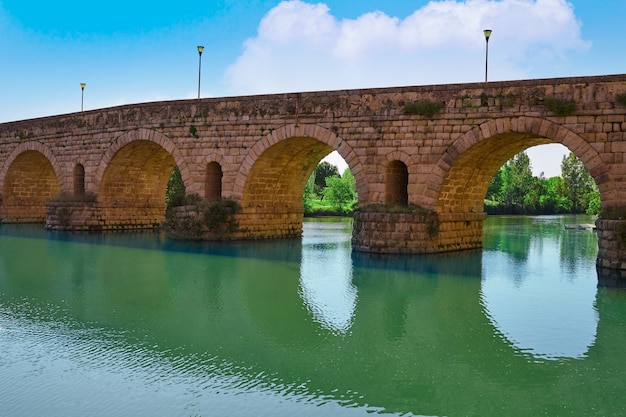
[301, 46]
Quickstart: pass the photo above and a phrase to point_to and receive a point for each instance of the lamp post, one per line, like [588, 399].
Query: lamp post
[487, 33]
[82, 95]
[200, 49]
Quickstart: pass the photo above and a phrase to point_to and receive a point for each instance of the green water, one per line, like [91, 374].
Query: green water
[135, 325]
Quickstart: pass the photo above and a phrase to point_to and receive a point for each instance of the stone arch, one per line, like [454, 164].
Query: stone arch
[399, 167]
[131, 181]
[30, 178]
[463, 173]
[34, 146]
[146, 135]
[311, 141]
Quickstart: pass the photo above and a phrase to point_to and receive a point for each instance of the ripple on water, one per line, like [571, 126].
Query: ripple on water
[55, 368]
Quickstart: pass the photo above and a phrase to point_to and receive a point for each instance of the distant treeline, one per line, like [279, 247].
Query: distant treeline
[514, 189]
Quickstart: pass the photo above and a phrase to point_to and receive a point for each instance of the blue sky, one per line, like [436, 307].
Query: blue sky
[137, 51]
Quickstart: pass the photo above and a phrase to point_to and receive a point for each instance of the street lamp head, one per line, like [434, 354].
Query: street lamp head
[200, 49]
[82, 86]
[487, 33]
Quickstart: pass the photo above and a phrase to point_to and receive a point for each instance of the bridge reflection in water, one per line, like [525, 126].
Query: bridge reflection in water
[504, 331]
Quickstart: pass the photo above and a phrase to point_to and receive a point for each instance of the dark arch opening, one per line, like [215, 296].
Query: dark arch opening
[396, 184]
[213, 182]
[79, 180]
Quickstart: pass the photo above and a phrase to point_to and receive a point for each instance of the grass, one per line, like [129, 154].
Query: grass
[321, 208]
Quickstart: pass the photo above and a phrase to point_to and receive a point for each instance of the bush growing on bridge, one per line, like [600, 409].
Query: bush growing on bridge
[213, 220]
[425, 108]
[207, 220]
[560, 107]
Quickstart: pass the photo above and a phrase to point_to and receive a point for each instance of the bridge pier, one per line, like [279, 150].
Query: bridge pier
[412, 233]
[269, 222]
[94, 216]
[611, 261]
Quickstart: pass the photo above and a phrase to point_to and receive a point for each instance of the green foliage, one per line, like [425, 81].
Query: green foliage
[188, 227]
[514, 190]
[307, 197]
[508, 100]
[337, 196]
[579, 186]
[621, 98]
[219, 216]
[496, 187]
[214, 219]
[517, 178]
[340, 192]
[595, 205]
[175, 193]
[322, 171]
[425, 108]
[194, 131]
[560, 107]
[64, 214]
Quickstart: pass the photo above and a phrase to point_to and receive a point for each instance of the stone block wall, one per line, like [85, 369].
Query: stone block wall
[255, 224]
[611, 244]
[406, 233]
[92, 216]
[269, 223]
[14, 212]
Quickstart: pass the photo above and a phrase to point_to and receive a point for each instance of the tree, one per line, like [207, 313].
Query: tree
[308, 193]
[517, 179]
[579, 187]
[322, 171]
[340, 191]
[494, 193]
[553, 201]
[515, 190]
[175, 192]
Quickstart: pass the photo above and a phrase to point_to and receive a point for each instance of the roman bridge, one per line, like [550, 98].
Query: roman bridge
[423, 158]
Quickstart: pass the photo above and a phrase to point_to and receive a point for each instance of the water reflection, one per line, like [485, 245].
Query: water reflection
[541, 298]
[306, 327]
[326, 273]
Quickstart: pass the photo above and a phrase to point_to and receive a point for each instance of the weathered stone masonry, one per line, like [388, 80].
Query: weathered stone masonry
[108, 168]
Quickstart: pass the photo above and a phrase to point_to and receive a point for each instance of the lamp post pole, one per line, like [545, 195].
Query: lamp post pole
[487, 33]
[82, 95]
[200, 49]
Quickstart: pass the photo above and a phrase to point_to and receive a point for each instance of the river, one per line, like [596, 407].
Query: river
[136, 325]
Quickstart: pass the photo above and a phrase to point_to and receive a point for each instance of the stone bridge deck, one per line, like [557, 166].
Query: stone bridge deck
[436, 147]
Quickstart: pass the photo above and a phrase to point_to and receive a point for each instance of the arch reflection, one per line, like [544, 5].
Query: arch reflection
[326, 274]
[540, 304]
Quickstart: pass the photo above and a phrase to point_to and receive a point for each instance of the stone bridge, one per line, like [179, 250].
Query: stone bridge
[436, 147]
